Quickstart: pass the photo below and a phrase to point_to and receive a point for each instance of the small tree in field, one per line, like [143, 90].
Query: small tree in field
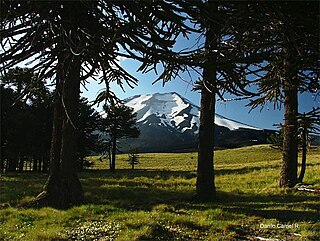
[119, 122]
[133, 157]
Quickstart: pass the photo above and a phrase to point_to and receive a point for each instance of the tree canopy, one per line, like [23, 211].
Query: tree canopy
[69, 42]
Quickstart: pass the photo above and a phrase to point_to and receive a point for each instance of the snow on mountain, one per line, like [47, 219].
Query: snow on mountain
[231, 124]
[173, 111]
[170, 122]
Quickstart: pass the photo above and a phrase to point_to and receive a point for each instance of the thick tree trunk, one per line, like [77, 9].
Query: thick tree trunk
[205, 172]
[63, 188]
[288, 175]
[304, 155]
[71, 187]
[51, 189]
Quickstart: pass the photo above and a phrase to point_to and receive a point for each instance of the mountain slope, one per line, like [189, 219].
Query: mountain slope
[170, 122]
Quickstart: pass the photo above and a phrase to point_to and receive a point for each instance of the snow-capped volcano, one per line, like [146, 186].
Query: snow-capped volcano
[172, 110]
[168, 110]
[170, 122]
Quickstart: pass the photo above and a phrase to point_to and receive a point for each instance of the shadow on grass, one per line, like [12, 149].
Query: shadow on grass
[150, 173]
[280, 207]
[165, 174]
[123, 191]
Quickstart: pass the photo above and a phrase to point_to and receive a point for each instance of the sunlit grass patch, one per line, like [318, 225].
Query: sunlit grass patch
[94, 230]
[156, 201]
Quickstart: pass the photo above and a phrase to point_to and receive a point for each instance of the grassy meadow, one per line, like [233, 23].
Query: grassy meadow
[156, 201]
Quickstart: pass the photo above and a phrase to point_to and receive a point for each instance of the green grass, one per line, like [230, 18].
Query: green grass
[156, 201]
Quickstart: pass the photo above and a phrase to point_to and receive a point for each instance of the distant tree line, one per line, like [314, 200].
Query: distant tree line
[26, 121]
[26, 125]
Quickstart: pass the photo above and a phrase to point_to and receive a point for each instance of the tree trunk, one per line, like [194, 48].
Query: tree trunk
[81, 161]
[12, 165]
[63, 188]
[1, 165]
[288, 175]
[21, 164]
[51, 189]
[40, 163]
[205, 172]
[71, 187]
[113, 155]
[46, 160]
[304, 154]
[35, 164]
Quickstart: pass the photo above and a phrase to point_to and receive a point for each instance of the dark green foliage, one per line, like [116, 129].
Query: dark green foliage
[119, 122]
[276, 139]
[89, 140]
[25, 122]
[72, 41]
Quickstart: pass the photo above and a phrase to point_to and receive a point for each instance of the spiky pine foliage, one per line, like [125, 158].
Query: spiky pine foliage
[71, 41]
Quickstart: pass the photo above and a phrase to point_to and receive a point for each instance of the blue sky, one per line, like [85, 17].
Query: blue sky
[235, 110]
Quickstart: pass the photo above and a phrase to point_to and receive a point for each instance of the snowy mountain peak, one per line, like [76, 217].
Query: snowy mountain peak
[170, 122]
[167, 109]
[174, 112]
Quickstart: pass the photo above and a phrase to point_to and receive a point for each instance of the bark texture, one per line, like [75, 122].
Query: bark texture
[288, 175]
[63, 188]
[205, 172]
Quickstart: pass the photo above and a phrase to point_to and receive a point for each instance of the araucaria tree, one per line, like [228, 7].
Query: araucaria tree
[118, 122]
[286, 36]
[223, 71]
[71, 41]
